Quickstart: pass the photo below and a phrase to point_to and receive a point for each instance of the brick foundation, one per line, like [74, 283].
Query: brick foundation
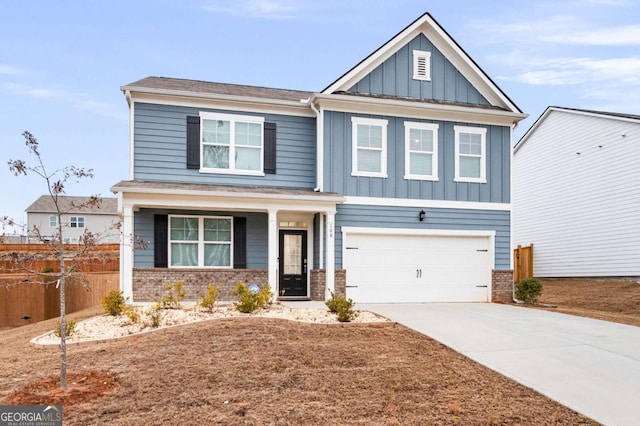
[502, 285]
[150, 283]
[318, 283]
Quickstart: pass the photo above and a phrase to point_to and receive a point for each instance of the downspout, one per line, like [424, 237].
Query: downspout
[127, 96]
[320, 146]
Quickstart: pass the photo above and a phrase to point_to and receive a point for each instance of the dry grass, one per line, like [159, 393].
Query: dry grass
[259, 371]
[605, 299]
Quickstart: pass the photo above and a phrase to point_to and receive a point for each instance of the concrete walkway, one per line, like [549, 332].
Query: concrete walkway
[588, 365]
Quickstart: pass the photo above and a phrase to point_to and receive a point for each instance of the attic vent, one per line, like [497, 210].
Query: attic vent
[421, 65]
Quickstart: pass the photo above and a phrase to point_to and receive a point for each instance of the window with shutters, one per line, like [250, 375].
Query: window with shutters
[231, 144]
[421, 65]
[200, 241]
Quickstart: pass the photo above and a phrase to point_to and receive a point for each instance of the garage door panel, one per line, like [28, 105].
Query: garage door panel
[410, 268]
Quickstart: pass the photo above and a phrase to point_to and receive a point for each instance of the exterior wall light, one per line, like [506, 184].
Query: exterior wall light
[421, 215]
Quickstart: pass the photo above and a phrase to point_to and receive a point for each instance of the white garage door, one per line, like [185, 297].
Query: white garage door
[385, 268]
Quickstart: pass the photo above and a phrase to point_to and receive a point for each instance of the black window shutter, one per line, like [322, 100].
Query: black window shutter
[270, 148]
[240, 243]
[160, 236]
[193, 142]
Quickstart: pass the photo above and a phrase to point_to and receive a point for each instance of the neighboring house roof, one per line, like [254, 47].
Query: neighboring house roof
[181, 86]
[427, 25]
[44, 204]
[550, 109]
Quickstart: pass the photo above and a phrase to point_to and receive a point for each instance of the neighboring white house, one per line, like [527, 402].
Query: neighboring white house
[99, 220]
[576, 193]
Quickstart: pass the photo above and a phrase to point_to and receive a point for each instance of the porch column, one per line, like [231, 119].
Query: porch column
[331, 254]
[126, 253]
[272, 251]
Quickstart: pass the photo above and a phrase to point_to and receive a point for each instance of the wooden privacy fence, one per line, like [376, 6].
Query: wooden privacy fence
[21, 258]
[29, 298]
[522, 263]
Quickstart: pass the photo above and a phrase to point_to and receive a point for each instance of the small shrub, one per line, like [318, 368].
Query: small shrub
[251, 298]
[71, 328]
[132, 313]
[174, 295]
[47, 270]
[528, 290]
[332, 303]
[208, 300]
[155, 314]
[114, 303]
[344, 309]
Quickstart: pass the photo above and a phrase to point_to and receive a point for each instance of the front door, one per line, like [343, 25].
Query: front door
[293, 263]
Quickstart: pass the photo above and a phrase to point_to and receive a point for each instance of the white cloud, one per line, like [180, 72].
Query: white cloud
[8, 69]
[79, 101]
[609, 36]
[265, 9]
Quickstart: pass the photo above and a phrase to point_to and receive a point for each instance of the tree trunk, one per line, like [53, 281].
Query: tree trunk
[63, 317]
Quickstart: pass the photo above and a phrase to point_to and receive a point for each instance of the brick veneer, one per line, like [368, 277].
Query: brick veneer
[319, 279]
[149, 283]
[502, 285]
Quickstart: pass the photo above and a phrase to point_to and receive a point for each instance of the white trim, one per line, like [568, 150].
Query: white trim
[200, 242]
[213, 100]
[233, 120]
[441, 41]
[511, 152]
[418, 74]
[132, 105]
[320, 152]
[413, 109]
[355, 122]
[436, 204]
[482, 131]
[408, 125]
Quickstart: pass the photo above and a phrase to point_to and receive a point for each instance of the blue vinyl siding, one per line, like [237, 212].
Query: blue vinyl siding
[257, 244]
[394, 77]
[338, 155]
[160, 149]
[407, 217]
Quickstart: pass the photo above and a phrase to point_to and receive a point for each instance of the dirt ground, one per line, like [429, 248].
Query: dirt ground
[261, 371]
[605, 299]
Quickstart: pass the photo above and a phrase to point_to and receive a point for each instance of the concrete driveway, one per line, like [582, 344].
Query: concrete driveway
[588, 365]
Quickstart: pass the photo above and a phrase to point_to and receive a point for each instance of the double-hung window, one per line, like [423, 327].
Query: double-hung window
[200, 241]
[421, 151]
[231, 143]
[53, 221]
[471, 154]
[369, 147]
[76, 221]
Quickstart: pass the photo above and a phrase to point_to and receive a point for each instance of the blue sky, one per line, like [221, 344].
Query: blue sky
[62, 63]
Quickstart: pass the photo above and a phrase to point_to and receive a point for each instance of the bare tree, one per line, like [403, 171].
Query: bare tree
[56, 182]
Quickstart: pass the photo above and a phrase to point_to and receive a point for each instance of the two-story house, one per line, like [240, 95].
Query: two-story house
[390, 185]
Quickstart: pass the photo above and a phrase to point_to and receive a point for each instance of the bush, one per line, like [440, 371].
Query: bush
[132, 313]
[528, 290]
[174, 295]
[114, 303]
[251, 298]
[208, 300]
[342, 307]
[71, 328]
[155, 314]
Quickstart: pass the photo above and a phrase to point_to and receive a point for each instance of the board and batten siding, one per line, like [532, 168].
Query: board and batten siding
[338, 155]
[394, 77]
[577, 198]
[407, 218]
[160, 149]
[257, 232]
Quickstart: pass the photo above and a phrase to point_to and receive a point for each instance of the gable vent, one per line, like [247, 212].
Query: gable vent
[421, 65]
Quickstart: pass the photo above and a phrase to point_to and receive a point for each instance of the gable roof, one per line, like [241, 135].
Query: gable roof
[589, 112]
[44, 204]
[178, 86]
[428, 26]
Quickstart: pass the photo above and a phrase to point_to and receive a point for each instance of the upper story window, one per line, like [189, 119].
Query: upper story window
[369, 147]
[53, 221]
[470, 154]
[231, 143]
[76, 221]
[200, 241]
[421, 151]
[421, 65]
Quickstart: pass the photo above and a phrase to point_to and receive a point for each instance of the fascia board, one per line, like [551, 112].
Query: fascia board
[212, 100]
[400, 108]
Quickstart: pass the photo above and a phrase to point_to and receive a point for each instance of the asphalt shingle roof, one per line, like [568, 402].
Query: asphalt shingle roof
[45, 204]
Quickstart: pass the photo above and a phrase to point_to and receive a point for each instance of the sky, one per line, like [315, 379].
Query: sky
[62, 63]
